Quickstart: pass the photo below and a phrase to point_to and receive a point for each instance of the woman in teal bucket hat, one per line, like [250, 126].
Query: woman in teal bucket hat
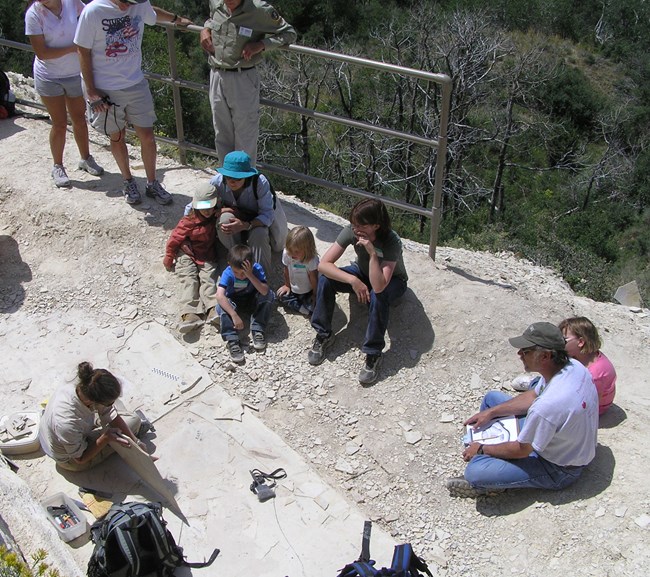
[249, 212]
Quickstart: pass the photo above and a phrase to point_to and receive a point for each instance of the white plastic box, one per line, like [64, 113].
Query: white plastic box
[70, 529]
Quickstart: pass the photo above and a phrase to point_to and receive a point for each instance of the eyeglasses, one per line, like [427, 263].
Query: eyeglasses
[524, 352]
[231, 179]
[567, 340]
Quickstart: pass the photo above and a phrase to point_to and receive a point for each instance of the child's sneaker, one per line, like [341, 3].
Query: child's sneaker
[189, 322]
[318, 349]
[370, 371]
[236, 352]
[90, 166]
[259, 342]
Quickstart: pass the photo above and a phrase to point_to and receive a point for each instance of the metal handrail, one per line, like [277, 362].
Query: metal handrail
[440, 144]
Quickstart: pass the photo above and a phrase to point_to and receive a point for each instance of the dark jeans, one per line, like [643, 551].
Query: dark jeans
[295, 301]
[258, 305]
[378, 310]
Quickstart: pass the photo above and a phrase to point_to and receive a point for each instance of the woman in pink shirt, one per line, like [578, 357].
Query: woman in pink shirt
[583, 343]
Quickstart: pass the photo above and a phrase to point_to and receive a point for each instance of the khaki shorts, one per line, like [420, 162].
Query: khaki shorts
[70, 87]
[133, 105]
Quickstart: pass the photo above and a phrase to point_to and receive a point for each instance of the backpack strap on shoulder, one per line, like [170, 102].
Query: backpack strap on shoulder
[255, 179]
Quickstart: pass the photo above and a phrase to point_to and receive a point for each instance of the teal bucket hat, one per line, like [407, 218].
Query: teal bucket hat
[237, 164]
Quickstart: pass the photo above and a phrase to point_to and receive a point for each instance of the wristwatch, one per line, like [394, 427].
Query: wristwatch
[480, 450]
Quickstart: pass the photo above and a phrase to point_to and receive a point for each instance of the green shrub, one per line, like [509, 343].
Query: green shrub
[11, 565]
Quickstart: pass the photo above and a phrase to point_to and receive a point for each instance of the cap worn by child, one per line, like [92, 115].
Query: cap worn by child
[205, 197]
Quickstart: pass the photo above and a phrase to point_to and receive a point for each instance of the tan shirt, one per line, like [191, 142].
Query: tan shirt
[67, 424]
[251, 21]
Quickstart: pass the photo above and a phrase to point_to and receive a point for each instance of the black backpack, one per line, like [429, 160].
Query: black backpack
[9, 104]
[133, 541]
[405, 563]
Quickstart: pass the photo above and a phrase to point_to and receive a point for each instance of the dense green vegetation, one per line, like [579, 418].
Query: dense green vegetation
[548, 139]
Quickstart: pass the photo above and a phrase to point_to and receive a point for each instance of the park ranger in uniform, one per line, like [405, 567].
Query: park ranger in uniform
[234, 37]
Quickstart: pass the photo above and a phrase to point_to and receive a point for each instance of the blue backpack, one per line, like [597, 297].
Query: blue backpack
[405, 563]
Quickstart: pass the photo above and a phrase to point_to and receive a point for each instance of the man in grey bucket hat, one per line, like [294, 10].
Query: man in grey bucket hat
[558, 437]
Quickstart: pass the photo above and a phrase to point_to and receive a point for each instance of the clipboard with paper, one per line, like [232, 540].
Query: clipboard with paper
[498, 431]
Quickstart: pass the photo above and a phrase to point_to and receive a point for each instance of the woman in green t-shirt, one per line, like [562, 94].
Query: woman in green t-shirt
[378, 277]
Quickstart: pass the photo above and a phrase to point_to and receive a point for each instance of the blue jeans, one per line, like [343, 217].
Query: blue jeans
[378, 310]
[258, 305]
[295, 301]
[485, 472]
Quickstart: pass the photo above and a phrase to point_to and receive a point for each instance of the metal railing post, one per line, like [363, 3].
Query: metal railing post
[441, 160]
[176, 92]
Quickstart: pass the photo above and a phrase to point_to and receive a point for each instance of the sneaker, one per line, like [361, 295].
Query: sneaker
[304, 311]
[60, 176]
[318, 349]
[131, 192]
[236, 352]
[156, 190]
[370, 371]
[259, 342]
[460, 487]
[90, 166]
[189, 322]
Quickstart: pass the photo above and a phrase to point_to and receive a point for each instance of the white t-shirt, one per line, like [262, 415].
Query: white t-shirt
[562, 422]
[114, 37]
[299, 273]
[67, 424]
[58, 32]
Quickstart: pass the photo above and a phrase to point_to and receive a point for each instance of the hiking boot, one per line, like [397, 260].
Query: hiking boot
[156, 190]
[60, 176]
[318, 349]
[131, 192]
[259, 342]
[189, 322]
[370, 371]
[236, 352]
[460, 487]
[90, 166]
[212, 317]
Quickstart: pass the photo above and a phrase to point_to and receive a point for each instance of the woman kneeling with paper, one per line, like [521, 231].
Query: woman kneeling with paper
[80, 422]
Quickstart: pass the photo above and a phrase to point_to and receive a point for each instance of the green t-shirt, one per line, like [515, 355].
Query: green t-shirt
[389, 250]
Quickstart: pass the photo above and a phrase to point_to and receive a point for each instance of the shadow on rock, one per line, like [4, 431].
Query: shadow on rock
[113, 476]
[594, 480]
[410, 331]
[13, 272]
[472, 278]
[613, 417]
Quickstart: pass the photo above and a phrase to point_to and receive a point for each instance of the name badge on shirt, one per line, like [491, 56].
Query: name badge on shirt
[243, 31]
[298, 266]
[240, 284]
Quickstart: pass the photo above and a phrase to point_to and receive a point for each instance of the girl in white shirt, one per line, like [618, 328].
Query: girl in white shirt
[50, 26]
